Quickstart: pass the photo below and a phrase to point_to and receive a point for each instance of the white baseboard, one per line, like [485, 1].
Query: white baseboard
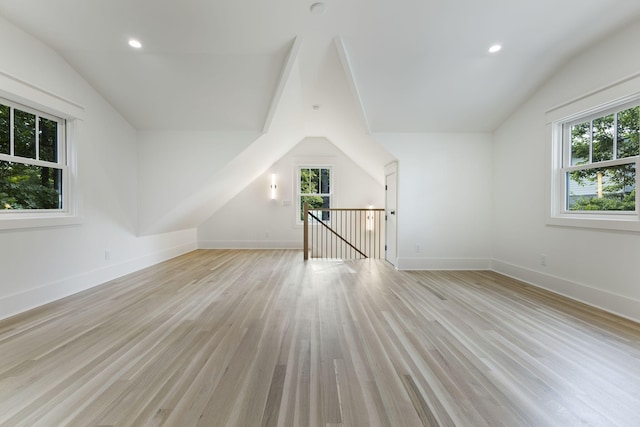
[443, 264]
[613, 303]
[23, 301]
[250, 244]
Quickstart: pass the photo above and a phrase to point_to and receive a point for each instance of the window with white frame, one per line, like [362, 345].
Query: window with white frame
[33, 160]
[314, 188]
[597, 162]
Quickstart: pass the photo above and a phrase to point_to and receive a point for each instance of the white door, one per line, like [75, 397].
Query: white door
[391, 216]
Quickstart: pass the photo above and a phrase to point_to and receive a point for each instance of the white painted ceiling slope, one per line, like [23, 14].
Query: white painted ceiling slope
[372, 66]
[419, 65]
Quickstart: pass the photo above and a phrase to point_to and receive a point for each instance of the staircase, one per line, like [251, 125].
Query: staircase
[341, 233]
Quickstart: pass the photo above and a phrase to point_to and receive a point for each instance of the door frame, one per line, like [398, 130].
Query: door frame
[391, 169]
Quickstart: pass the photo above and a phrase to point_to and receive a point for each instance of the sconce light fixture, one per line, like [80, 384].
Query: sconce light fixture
[370, 218]
[273, 186]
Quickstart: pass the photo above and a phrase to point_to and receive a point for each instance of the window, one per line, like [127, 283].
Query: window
[601, 154]
[38, 179]
[314, 188]
[597, 161]
[33, 169]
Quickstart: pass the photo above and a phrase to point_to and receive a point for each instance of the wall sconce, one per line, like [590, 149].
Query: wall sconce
[273, 186]
[370, 218]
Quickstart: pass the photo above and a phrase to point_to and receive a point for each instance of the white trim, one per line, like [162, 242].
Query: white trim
[601, 97]
[44, 103]
[250, 244]
[599, 102]
[36, 97]
[30, 161]
[390, 169]
[44, 220]
[405, 263]
[613, 303]
[23, 301]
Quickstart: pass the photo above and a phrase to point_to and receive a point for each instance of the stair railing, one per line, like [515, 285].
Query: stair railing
[343, 233]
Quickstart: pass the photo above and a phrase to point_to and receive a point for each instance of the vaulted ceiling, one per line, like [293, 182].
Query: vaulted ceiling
[276, 70]
[415, 65]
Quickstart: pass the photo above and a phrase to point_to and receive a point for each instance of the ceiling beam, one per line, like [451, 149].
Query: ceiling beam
[282, 83]
[348, 71]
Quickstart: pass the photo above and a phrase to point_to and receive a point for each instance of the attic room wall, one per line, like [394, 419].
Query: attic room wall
[596, 266]
[444, 199]
[40, 265]
[252, 220]
[172, 165]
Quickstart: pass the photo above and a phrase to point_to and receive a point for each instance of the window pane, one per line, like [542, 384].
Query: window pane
[326, 204]
[315, 202]
[603, 129]
[325, 182]
[5, 127]
[24, 128]
[628, 132]
[304, 181]
[48, 140]
[315, 185]
[602, 189]
[29, 187]
[309, 181]
[580, 143]
[314, 181]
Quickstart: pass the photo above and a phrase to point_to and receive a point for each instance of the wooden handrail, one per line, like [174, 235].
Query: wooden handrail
[348, 209]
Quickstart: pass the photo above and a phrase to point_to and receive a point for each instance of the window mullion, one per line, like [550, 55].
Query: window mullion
[603, 164]
[566, 149]
[37, 137]
[32, 162]
[61, 153]
[590, 141]
[11, 131]
[615, 135]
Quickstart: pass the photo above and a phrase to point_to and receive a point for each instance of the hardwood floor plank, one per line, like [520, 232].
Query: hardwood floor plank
[422, 408]
[272, 407]
[260, 338]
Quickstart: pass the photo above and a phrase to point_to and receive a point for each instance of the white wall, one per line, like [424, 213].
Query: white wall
[252, 220]
[444, 199]
[174, 164]
[595, 266]
[187, 176]
[41, 265]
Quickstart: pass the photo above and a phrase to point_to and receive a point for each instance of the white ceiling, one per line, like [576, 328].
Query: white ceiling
[418, 65]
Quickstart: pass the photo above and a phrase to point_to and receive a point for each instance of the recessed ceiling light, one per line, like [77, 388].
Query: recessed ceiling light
[317, 8]
[495, 48]
[315, 107]
[135, 43]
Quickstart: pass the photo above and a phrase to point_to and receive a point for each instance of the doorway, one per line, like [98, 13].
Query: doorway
[391, 213]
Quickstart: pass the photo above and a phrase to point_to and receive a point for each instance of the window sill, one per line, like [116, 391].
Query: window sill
[601, 222]
[25, 221]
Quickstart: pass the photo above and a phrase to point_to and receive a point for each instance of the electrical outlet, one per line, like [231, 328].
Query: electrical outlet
[417, 249]
[107, 254]
[543, 260]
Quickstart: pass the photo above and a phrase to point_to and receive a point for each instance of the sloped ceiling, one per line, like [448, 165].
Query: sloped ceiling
[360, 68]
[420, 65]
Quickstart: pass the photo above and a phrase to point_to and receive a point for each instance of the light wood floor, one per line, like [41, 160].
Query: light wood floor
[259, 338]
